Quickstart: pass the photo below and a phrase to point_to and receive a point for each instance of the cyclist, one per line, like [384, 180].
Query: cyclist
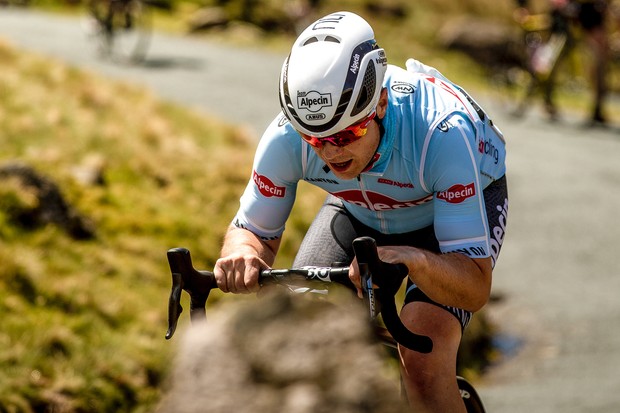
[407, 158]
[544, 64]
[590, 16]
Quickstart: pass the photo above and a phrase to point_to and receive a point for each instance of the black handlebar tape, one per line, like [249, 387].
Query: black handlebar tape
[388, 278]
[184, 277]
[174, 304]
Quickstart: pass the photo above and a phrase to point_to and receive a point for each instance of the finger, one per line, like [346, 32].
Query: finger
[239, 281]
[246, 272]
[231, 276]
[354, 274]
[251, 280]
[220, 276]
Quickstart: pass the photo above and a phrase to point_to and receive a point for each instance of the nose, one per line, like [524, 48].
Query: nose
[331, 151]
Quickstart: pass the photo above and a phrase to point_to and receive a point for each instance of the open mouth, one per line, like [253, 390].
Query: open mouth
[341, 166]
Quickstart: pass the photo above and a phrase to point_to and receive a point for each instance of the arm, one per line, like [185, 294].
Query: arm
[243, 255]
[461, 275]
[452, 279]
[252, 241]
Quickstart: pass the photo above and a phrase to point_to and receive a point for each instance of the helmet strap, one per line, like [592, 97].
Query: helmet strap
[381, 127]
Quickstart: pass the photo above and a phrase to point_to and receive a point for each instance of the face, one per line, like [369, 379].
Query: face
[347, 162]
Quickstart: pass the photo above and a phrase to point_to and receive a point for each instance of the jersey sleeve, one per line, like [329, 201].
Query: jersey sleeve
[451, 173]
[270, 193]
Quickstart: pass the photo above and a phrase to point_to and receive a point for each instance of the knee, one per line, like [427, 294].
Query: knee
[426, 372]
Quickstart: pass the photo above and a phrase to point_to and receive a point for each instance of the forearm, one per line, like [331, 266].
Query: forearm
[451, 279]
[238, 241]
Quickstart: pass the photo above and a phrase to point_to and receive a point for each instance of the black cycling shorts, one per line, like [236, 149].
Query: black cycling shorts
[333, 230]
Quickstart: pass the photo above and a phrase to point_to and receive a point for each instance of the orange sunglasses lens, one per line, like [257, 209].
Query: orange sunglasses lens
[345, 136]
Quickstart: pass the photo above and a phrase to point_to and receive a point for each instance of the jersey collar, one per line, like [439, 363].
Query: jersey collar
[383, 154]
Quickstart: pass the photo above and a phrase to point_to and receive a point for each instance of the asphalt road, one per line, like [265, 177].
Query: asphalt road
[559, 271]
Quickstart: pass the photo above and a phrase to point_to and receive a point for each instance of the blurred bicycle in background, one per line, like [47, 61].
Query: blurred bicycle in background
[122, 28]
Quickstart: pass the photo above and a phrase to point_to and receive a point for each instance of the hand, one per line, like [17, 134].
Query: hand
[238, 274]
[389, 254]
[355, 277]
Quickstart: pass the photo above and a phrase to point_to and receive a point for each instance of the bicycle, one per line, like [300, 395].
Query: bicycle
[378, 291]
[122, 28]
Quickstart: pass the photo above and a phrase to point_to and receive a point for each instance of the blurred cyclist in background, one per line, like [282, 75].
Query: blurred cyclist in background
[590, 16]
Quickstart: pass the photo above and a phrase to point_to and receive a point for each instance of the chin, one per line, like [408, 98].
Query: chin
[345, 175]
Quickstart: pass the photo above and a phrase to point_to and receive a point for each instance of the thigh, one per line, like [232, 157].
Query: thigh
[329, 237]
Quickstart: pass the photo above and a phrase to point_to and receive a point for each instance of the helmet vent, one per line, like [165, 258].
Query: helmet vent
[367, 90]
[332, 39]
[310, 41]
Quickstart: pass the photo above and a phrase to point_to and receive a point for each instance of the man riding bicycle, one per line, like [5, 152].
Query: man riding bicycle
[407, 158]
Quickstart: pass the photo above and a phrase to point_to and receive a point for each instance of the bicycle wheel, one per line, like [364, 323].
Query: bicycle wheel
[473, 403]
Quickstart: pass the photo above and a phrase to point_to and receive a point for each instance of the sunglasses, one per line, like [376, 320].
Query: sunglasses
[345, 136]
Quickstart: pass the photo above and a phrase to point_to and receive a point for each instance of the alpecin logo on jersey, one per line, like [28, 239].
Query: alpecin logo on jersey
[395, 183]
[313, 100]
[266, 187]
[457, 193]
[376, 201]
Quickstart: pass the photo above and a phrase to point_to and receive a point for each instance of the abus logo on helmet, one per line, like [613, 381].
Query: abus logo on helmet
[457, 193]
[313, 100]
[315, 116]
[266, 187]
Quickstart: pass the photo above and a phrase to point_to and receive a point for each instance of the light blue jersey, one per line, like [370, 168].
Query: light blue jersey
[438, 152]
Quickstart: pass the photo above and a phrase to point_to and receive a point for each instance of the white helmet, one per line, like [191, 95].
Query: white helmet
[333, 75]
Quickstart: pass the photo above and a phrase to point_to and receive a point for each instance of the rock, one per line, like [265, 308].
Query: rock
[45, 204]
[282, 354]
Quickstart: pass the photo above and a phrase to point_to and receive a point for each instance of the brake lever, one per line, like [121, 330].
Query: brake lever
[365, 249]
[184, 277]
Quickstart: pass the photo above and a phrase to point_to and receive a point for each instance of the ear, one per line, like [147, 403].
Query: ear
[383, 103]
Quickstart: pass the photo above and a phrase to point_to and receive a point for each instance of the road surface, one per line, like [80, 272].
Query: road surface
[559, 271]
